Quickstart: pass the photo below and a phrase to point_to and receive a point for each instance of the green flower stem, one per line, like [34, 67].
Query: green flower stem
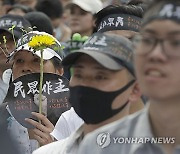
[6, 54]
[14, 39]
[40, 86]
[41, 83]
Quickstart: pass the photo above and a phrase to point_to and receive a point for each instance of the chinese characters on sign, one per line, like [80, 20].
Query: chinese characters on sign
[33, 88]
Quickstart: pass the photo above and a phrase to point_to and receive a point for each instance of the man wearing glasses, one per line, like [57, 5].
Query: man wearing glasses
[157, 62]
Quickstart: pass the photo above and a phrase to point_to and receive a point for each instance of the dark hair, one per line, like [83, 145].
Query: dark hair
[56, 62]
[118, 9]
[157, 3]
[41, 21]
[24, 8]
[8, 2]
[52, 8]
[135, 2]
[153, 3]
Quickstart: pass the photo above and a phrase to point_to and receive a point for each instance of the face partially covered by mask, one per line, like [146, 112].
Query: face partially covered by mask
[100, 76]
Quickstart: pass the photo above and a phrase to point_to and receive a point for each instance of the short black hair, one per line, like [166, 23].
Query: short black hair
[118, 9]
[40, 21]
[135, 2]
[153, 3]
[8, 2]
[24, 8]
[56, 62]
[52, 8]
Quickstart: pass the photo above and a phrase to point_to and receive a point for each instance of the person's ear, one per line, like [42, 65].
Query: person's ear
[136, 93]
[60, 71]
[135, 99]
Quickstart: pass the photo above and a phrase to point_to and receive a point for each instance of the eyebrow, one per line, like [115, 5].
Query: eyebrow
[175, 32]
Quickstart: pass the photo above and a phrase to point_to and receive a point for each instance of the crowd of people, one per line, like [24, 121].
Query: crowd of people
[120, 59]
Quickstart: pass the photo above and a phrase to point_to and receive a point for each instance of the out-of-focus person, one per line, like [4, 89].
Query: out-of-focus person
[81, 16]
[54, 10]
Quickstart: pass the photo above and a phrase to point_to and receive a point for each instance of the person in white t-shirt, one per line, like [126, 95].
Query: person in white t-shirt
[68, 123]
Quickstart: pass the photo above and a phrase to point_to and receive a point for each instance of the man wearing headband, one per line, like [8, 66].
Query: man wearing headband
[155, 130]
[124, 20]
[102, 86]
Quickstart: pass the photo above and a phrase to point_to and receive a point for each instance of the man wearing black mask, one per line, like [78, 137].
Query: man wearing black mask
[102, 86]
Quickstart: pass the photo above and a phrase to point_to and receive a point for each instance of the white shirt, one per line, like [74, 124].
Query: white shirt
[69, 145]
[68, 123]
[4, 84]
[3, 90]
[136, 126]
[20, 135]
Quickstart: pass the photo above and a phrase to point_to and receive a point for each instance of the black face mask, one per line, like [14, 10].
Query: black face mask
[94, 106]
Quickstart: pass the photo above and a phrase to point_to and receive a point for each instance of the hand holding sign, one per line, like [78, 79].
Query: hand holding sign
[42, 130]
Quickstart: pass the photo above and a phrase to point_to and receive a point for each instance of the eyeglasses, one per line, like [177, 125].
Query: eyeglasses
[146, 44]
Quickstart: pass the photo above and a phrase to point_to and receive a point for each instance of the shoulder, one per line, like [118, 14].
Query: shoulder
[69, 113]
[122, 128]
[4, 114]
[52, 148]
[71, 117]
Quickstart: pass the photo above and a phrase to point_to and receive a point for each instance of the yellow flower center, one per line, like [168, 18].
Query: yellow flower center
[41, 42]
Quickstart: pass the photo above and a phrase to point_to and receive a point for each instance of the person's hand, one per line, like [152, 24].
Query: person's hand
[42, 130]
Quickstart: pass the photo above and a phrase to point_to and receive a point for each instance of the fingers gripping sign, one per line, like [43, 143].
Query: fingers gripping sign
[44, 127]
[42, 130]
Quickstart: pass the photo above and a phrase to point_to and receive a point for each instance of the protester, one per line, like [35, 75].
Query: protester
[28, 3]
[102, 86]
[8, 38]
[25, 61]
[156, 128]
[5, 5]
[129, 29]
[40, 22]
[124, 20]
[81, 16]
[7, 146]
[18, 9]
[69, 121]
[54, 10]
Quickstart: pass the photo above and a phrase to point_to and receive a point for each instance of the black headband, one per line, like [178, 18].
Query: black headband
[120, 22]
[163, 11]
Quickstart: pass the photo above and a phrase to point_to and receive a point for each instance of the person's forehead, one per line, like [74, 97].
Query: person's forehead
[24, 54]
[162, 26]
[126, 33]
[85, 61]
[76, 7]
[5, 33]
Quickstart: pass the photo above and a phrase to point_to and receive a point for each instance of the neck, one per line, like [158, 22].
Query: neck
[87, 128]
[164, 118]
